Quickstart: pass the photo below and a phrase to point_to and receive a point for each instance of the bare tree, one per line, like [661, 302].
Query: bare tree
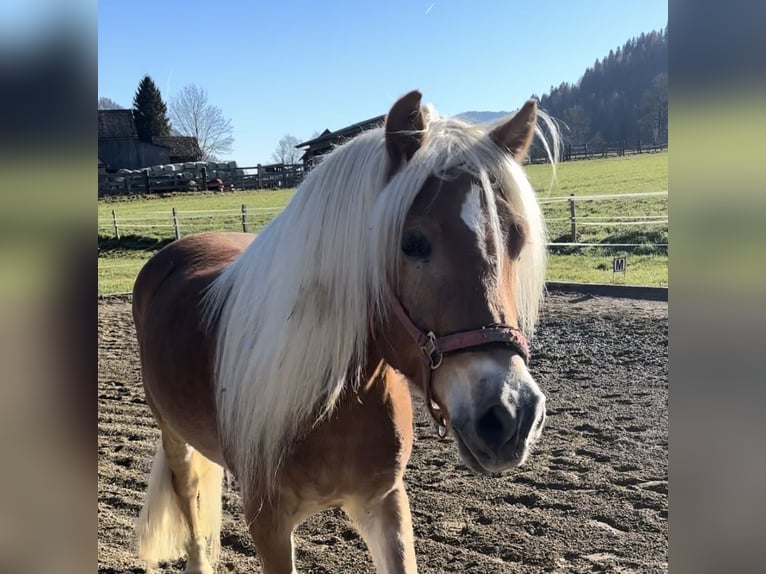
[105, 103]
[286, 152]
[192, 115]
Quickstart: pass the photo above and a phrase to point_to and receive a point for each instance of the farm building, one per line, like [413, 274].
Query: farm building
[180, 148]
[120, 148]
[327, 140]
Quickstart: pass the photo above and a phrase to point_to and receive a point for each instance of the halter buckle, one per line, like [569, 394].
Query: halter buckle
[431, 351]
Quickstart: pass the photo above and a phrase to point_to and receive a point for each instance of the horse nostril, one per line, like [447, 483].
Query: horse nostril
[495, 427]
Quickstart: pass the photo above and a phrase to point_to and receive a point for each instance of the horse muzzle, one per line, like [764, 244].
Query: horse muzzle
[496, 417]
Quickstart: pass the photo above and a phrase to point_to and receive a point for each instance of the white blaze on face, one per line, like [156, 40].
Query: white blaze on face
[484, 223]
[472, 215]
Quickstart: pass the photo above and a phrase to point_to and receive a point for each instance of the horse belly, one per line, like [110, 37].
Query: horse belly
[177, 351]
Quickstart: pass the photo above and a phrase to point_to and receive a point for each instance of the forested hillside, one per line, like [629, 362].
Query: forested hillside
[623, 96]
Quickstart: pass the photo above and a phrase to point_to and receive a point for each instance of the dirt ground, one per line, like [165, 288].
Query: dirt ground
[591, 498]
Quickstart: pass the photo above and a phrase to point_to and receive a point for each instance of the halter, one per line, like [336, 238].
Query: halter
[434, 348]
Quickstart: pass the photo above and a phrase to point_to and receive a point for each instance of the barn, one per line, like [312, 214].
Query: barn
[120, 148]
[327, 140]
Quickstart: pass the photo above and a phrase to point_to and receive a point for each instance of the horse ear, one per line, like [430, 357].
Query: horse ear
[404, 130]
[515, 134]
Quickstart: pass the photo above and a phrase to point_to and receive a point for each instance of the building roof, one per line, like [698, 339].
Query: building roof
[113, 124]
[349, 131]
[320, 137]
[180, 147]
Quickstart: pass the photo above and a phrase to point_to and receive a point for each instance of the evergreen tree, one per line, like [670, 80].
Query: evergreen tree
[149, 111]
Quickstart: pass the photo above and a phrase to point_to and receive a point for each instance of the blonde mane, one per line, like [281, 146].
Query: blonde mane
[291, 314]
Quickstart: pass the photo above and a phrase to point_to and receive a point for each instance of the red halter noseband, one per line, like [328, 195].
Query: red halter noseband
[434, 348]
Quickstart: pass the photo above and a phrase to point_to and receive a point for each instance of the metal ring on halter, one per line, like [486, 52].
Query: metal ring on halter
[434, 348]
[430, 349]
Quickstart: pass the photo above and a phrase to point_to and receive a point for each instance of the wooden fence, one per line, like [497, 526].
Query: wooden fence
[573, 152]
[175, 223]
[226, 176]
[591, 220]
[200, 176]
[160, 224]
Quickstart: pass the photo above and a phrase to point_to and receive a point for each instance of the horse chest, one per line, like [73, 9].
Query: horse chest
[363, 448]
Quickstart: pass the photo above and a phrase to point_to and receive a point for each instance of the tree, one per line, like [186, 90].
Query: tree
[149, 111]
[286, 152]
[193, 116]
[620, 97]
[654, 104]
[578, 122]
[105, 103]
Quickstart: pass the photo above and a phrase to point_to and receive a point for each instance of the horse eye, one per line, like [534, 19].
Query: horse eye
[415, 244]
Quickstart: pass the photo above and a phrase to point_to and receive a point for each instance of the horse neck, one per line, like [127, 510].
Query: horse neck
[390, 347]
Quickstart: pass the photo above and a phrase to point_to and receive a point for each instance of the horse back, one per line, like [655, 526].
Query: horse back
[176, 349]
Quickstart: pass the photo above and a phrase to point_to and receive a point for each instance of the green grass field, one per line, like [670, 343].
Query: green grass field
[145, 222]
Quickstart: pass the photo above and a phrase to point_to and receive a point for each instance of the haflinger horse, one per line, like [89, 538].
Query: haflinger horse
[411, 258]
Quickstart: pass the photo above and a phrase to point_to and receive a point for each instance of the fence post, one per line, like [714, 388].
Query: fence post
[175, 224]
[114, 222]
[146, 181]
[260, 176]
[572, 217]
[244, 218]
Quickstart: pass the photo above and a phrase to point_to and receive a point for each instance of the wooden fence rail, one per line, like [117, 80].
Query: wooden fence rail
[573, 151]
[260, 216]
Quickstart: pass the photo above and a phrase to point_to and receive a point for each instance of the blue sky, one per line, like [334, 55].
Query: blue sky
[277, 67]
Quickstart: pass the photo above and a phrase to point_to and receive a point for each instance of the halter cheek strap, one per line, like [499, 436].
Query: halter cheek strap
[433, 349]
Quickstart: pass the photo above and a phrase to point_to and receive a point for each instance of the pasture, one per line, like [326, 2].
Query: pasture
[591, 498]
[145, 222]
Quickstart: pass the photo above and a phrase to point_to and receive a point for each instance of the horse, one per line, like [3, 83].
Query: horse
[410, 260]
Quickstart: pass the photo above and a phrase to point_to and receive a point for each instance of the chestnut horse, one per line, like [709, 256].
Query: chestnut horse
[412, 257]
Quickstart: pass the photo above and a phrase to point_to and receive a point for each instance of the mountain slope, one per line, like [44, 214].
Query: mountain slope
[623, 96]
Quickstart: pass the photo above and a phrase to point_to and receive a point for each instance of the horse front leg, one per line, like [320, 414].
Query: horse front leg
[271, 525]
[385, 524]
